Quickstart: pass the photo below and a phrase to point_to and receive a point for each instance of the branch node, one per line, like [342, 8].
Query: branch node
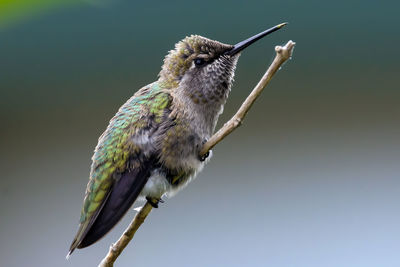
[237, 122]
[286, 50]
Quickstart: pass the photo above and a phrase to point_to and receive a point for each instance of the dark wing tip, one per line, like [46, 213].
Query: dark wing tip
[122, 195]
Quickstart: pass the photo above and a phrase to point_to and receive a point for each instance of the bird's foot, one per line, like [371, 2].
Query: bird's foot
[154, 202]
[204, 157]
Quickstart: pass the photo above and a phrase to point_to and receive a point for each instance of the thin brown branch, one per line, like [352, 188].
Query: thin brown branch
[283, 53]
[117, 248]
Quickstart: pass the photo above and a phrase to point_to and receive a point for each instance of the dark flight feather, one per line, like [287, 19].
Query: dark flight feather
[123, 193]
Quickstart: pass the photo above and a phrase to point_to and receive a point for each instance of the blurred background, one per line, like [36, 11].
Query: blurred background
[310, 179]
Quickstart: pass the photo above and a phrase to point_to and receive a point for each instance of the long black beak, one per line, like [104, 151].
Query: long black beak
[243, 44]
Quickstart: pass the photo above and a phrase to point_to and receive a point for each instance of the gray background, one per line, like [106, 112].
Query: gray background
[310, 179]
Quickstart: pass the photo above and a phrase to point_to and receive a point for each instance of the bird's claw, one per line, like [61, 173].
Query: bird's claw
[154, 202]
[204, 157]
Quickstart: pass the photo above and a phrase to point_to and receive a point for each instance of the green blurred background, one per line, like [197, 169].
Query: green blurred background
[311, 179]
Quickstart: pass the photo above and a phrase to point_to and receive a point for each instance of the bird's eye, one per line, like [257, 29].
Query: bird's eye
[199, 62]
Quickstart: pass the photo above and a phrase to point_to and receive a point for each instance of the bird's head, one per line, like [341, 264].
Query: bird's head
[203, 69]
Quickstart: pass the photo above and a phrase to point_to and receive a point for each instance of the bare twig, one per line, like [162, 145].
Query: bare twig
[283, 53]
[117, 248]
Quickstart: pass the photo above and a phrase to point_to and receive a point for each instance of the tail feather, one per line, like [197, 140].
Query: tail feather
[82, 231]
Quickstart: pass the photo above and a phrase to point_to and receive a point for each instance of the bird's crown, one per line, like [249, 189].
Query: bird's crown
[191, 50]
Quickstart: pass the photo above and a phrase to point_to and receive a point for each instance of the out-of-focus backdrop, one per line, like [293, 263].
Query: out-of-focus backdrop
[311, 179]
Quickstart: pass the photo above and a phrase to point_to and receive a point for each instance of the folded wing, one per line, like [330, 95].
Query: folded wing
[122, 164]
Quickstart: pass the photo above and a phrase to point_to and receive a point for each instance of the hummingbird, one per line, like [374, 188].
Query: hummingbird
[151, 147]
